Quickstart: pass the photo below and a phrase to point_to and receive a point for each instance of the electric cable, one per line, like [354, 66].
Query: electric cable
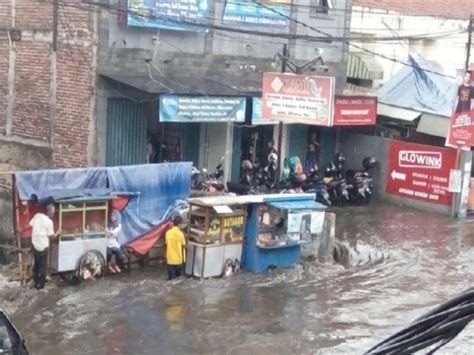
[436, 328]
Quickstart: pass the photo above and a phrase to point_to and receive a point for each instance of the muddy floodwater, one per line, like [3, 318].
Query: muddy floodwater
[409, 262]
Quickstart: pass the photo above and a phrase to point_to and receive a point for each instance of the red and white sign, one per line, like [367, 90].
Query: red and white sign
[461, 130]
[420, 172]
[355, 110]
[298, 98]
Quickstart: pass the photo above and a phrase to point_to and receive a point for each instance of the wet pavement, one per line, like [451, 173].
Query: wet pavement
[417, 260]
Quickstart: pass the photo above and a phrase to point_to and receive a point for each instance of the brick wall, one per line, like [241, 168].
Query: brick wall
[53, 102]
[4, 58]
[460, 9]
[32, 90]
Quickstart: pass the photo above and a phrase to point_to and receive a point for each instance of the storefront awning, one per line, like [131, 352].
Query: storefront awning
[365, 67]
[433, 125]
[398, 113]
[183, 85]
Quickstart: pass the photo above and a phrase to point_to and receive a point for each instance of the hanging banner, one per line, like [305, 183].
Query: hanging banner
[174, 108]
[298, 98]
[257, 113]
[420, 172]
[252, 14]
[169, 14]
[461, 129]
[355, 110]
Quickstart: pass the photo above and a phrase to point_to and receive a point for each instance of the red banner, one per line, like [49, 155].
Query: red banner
[298, 98]
[461, 130]
[420, 172]
[355, 110]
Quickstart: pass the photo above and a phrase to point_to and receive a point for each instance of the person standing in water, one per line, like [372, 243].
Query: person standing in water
[175, 243]
[113, 231]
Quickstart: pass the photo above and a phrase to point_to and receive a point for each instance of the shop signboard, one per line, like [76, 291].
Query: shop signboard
[420, 172]
[461, 130]
[247, 14]
[178, 15]
[298, 98]
[174, 108]
[257, 113]
[355, 110]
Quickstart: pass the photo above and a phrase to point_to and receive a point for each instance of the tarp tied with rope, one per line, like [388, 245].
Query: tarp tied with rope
[150, 190]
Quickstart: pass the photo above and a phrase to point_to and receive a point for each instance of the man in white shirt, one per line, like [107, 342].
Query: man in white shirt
[43, 231]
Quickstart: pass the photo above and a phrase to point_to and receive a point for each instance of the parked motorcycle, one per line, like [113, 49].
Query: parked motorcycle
[362, 182]
[202, 181]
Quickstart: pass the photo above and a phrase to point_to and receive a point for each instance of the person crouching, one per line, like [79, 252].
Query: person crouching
[175, 243]
[114, 229]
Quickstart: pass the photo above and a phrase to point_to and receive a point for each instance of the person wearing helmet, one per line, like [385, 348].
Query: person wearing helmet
[339, 161]
[246, 177]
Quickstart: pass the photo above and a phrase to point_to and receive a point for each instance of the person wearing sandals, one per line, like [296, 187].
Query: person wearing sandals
[113, 230]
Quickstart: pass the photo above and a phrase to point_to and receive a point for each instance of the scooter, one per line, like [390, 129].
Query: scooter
[362, 182]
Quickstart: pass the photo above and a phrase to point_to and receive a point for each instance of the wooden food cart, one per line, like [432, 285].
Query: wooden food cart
[82, 247]
[215, 232]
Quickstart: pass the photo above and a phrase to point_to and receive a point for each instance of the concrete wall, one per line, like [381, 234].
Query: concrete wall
[356, 147]
[389, 18]
[460, 9]
[219, 56]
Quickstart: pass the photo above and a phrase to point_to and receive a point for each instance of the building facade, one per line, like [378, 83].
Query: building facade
[143, 59]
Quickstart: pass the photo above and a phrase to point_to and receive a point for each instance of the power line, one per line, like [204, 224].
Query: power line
[354, 45]
[325, 38]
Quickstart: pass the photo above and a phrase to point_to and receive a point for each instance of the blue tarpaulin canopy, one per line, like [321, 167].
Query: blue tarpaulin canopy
[153, 189]
[420, 88]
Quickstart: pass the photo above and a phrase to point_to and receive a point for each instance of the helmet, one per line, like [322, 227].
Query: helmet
[369, 163]
[272, 157]
[339, 158]
[331, 170]
[247, 165]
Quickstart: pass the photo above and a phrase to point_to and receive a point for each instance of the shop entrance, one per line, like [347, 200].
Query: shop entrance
[254, 143]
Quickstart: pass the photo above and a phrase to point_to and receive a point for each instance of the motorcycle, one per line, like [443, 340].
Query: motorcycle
[362, 182]
[202, 181]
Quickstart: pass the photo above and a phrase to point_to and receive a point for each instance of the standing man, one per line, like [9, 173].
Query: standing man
[43, 231]
[175, 243]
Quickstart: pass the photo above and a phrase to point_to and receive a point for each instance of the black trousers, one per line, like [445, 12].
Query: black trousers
[39, 267]
[174, 271]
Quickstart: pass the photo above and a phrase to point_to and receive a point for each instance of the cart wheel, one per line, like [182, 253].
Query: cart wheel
[91, 266]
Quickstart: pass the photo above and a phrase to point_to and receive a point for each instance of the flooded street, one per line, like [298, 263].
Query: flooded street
[422, 260]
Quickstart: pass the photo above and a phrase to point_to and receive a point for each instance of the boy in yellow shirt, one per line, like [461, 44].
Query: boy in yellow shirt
[175, 243]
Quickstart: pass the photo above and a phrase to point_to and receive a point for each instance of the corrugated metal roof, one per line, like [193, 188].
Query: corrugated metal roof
[363, 66]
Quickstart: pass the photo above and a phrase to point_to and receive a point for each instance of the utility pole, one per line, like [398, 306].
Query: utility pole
[469, 42]
[280, 124]
[465, 157]
[55, 25]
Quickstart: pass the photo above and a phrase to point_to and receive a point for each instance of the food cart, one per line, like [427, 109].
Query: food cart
[80, 251]
[258, 232]
[277, 229]
[215, 232]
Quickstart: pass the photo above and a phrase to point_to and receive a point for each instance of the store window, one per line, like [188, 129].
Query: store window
[321, 7]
